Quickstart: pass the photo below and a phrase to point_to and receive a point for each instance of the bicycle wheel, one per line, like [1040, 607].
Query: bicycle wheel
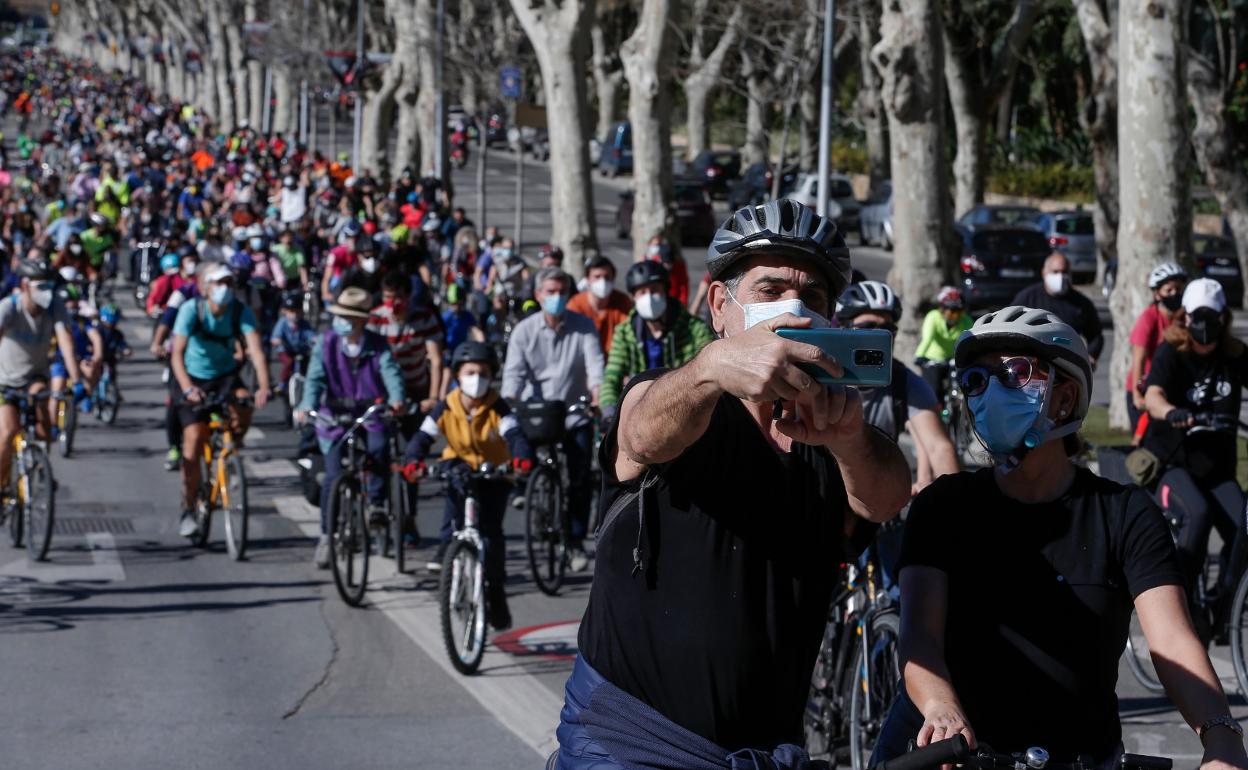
[203, 507]
[823, 721]
[348, 540]
[874, 685]
[109, 401]
[66, 424]
[1238, 621]
[544, 531]
[398, 514]
[234, 504]
[15, 517]
[461, 599]
[1138, 658]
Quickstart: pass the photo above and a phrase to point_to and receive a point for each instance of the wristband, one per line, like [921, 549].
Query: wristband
[186, 393]
[1225, 720]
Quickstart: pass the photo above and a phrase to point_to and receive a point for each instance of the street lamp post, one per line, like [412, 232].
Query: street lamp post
[825, 108]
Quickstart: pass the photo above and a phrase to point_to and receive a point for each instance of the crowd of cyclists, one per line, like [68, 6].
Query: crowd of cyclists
[265, 269]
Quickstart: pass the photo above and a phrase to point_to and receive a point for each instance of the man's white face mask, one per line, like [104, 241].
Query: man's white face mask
[757, 312]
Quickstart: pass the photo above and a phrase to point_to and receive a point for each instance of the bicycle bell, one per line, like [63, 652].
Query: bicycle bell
[1036, 758]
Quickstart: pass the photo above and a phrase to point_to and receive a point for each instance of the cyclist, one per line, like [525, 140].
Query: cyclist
[206, 331]
[113, 340]
[1199, 370]
[1167, 282]
[172, 278]
[1069, 554]
[659, 250]
[712, 584]
[292, 336]
[908, 403]
[294, 264]
[97, 240]
[1055, 294]
[554, 356]
[415, 339]
[658, 333]
[460, 325]
[479, 428]
[350, 369]
[601, 302]
[29, 320]
[88, 349]
[942, 326]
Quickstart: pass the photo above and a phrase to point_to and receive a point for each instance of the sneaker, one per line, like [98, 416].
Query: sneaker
[320, 557]
[497, 614]
[578, 561]
[173, 459]
[189, 525]
[435, 564]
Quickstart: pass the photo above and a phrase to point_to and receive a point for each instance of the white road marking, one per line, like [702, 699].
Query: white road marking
[519, 701]
[271, 469]
[105, 565]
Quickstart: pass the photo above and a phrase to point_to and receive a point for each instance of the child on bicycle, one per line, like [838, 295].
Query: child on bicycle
[113, 340]
[88, 350]
[350, 369]
[479, 428]
[292, 336]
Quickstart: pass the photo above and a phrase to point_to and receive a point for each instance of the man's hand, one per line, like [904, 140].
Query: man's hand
[193, 395]
[427, 405]
[826, 417]
[413, 471]
[941, 721]
[398, 408]
[300, 416]
[262, 397]
[759, 365]
[1137, 399]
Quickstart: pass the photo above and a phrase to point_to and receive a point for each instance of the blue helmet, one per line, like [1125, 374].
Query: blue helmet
[109, 314]
[170, 262]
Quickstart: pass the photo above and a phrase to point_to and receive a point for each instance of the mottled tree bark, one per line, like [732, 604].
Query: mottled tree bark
[647, 56]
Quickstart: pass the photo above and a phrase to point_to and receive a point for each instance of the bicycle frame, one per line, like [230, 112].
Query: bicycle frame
[219, 448]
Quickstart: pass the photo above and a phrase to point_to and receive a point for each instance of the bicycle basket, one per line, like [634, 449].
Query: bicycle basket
[542, 421]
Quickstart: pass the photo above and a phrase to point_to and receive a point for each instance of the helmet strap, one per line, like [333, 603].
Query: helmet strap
[1042, 431]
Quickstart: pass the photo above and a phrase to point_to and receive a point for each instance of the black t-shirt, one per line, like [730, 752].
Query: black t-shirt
[1211, 383]
[1040, 600]
[1072, 307]
[742, 546]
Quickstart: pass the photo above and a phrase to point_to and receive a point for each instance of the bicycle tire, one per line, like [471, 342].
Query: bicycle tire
[108, 402]
[39, 510]
[398, 513]
[1237, 619]
[14, 523]
[461, 604]
[823, 722]
[1138, 659]
[67, 425]
[237, 512]
[873, 687]
[348, 540]
[203, 507]
[544, 532]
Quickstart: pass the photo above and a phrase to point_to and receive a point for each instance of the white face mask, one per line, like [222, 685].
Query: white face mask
[600, 288]
[352, 349]
[757, 312]
[473, 385]
[1057, 283]
[651, 306]
[368, 265]
[188, 267]
[42, 297]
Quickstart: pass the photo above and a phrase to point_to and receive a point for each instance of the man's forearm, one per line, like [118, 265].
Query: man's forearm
[670, 415]
[876, 476]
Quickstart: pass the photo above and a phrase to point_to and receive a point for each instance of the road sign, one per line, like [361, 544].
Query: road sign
[510, 82]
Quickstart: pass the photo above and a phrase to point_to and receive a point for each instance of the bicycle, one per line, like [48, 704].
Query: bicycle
[461, 585]
[957, 751]
[107, 395]
[547, 528]
[29, 507]
[350, 533]
[222, 482]
[953, 410]
[66, 422]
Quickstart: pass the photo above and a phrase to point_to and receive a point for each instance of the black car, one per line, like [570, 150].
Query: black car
[718, 169]
[693, 213]
[999, 260]
[496, 129]
[984, 214]
[754, 186]
[1215, 258]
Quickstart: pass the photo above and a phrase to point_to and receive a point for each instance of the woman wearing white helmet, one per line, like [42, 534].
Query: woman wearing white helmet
[1167, 282]
[1018, 581]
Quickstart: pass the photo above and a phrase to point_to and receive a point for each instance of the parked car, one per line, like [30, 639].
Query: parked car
[1216, 258]
[1073, 234]
[875, 220]
[1002, 215]
[843, 207]
[999, 260]
[616, 156]
[754, 186]
[496, 129]
[694, 213]
[718, 169]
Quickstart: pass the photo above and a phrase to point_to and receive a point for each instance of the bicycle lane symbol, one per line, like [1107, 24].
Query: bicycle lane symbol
[553, 641]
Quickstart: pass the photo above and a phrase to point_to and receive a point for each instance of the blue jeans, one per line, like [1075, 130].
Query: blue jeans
[378, 450]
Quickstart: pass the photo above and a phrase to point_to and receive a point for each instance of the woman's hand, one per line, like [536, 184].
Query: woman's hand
[1224, 750]
[944, 720]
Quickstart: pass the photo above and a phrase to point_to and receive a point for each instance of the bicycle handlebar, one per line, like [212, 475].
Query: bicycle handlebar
[932, 755]
[955, 750]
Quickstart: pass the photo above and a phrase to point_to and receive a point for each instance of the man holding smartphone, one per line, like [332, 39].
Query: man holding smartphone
[725, 516]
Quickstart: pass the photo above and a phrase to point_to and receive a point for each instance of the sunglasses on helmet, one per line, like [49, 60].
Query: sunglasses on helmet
[1013, 372]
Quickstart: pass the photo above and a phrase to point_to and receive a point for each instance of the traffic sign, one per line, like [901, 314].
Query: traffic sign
[510, 82]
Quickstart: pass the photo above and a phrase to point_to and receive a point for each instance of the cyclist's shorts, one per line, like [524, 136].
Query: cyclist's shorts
[218, 386]
[57, 369]
[36, 378]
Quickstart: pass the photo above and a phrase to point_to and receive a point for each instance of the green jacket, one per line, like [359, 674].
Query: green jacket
[685, 336]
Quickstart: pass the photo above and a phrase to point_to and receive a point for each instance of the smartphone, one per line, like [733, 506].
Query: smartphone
[865, 354]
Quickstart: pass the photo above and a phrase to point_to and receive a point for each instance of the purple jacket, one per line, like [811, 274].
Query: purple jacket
[339, 384]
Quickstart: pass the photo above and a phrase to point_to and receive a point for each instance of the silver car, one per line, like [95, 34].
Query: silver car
[875, 219]
[1073, 234]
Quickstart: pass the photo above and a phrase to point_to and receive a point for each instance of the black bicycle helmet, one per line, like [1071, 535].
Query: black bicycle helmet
[868, 297]
[36, 270]
[473, 351]
[642, 273]
[781, 227]
[292, 300]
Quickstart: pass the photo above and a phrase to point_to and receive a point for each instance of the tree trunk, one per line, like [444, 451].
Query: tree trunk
[607, 78]
[647, 66]
[378, 119]
[1098, 116]
[909, 59]
[704, 74]
[285, 97]
[1215, 148]
[237, 75]
[1156, 222]
[217, 66]
[870, 104]
[757, 101]
[255, 77]
[559, 35]
[965, 95]
[427, 98]
[406, 57]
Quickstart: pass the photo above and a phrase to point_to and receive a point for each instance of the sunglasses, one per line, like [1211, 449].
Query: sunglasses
[1014, 373]
[875, 325]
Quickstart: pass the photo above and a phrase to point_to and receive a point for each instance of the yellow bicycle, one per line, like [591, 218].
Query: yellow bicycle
[222, 484]
[66, 422]
[29, 505]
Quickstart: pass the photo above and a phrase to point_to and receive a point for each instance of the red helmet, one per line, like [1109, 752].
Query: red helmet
[550, 250]
[950, 298]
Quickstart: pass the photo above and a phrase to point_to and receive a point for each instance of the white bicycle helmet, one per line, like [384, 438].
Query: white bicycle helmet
[781, 227]
[1166, 271]
[868, 297]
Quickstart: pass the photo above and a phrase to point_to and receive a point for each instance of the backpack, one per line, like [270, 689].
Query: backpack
[236, 323]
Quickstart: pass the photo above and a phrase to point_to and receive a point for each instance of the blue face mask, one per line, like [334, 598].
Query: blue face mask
[555, 304]
[222, 294]
[341, 326]
[1005, 416]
